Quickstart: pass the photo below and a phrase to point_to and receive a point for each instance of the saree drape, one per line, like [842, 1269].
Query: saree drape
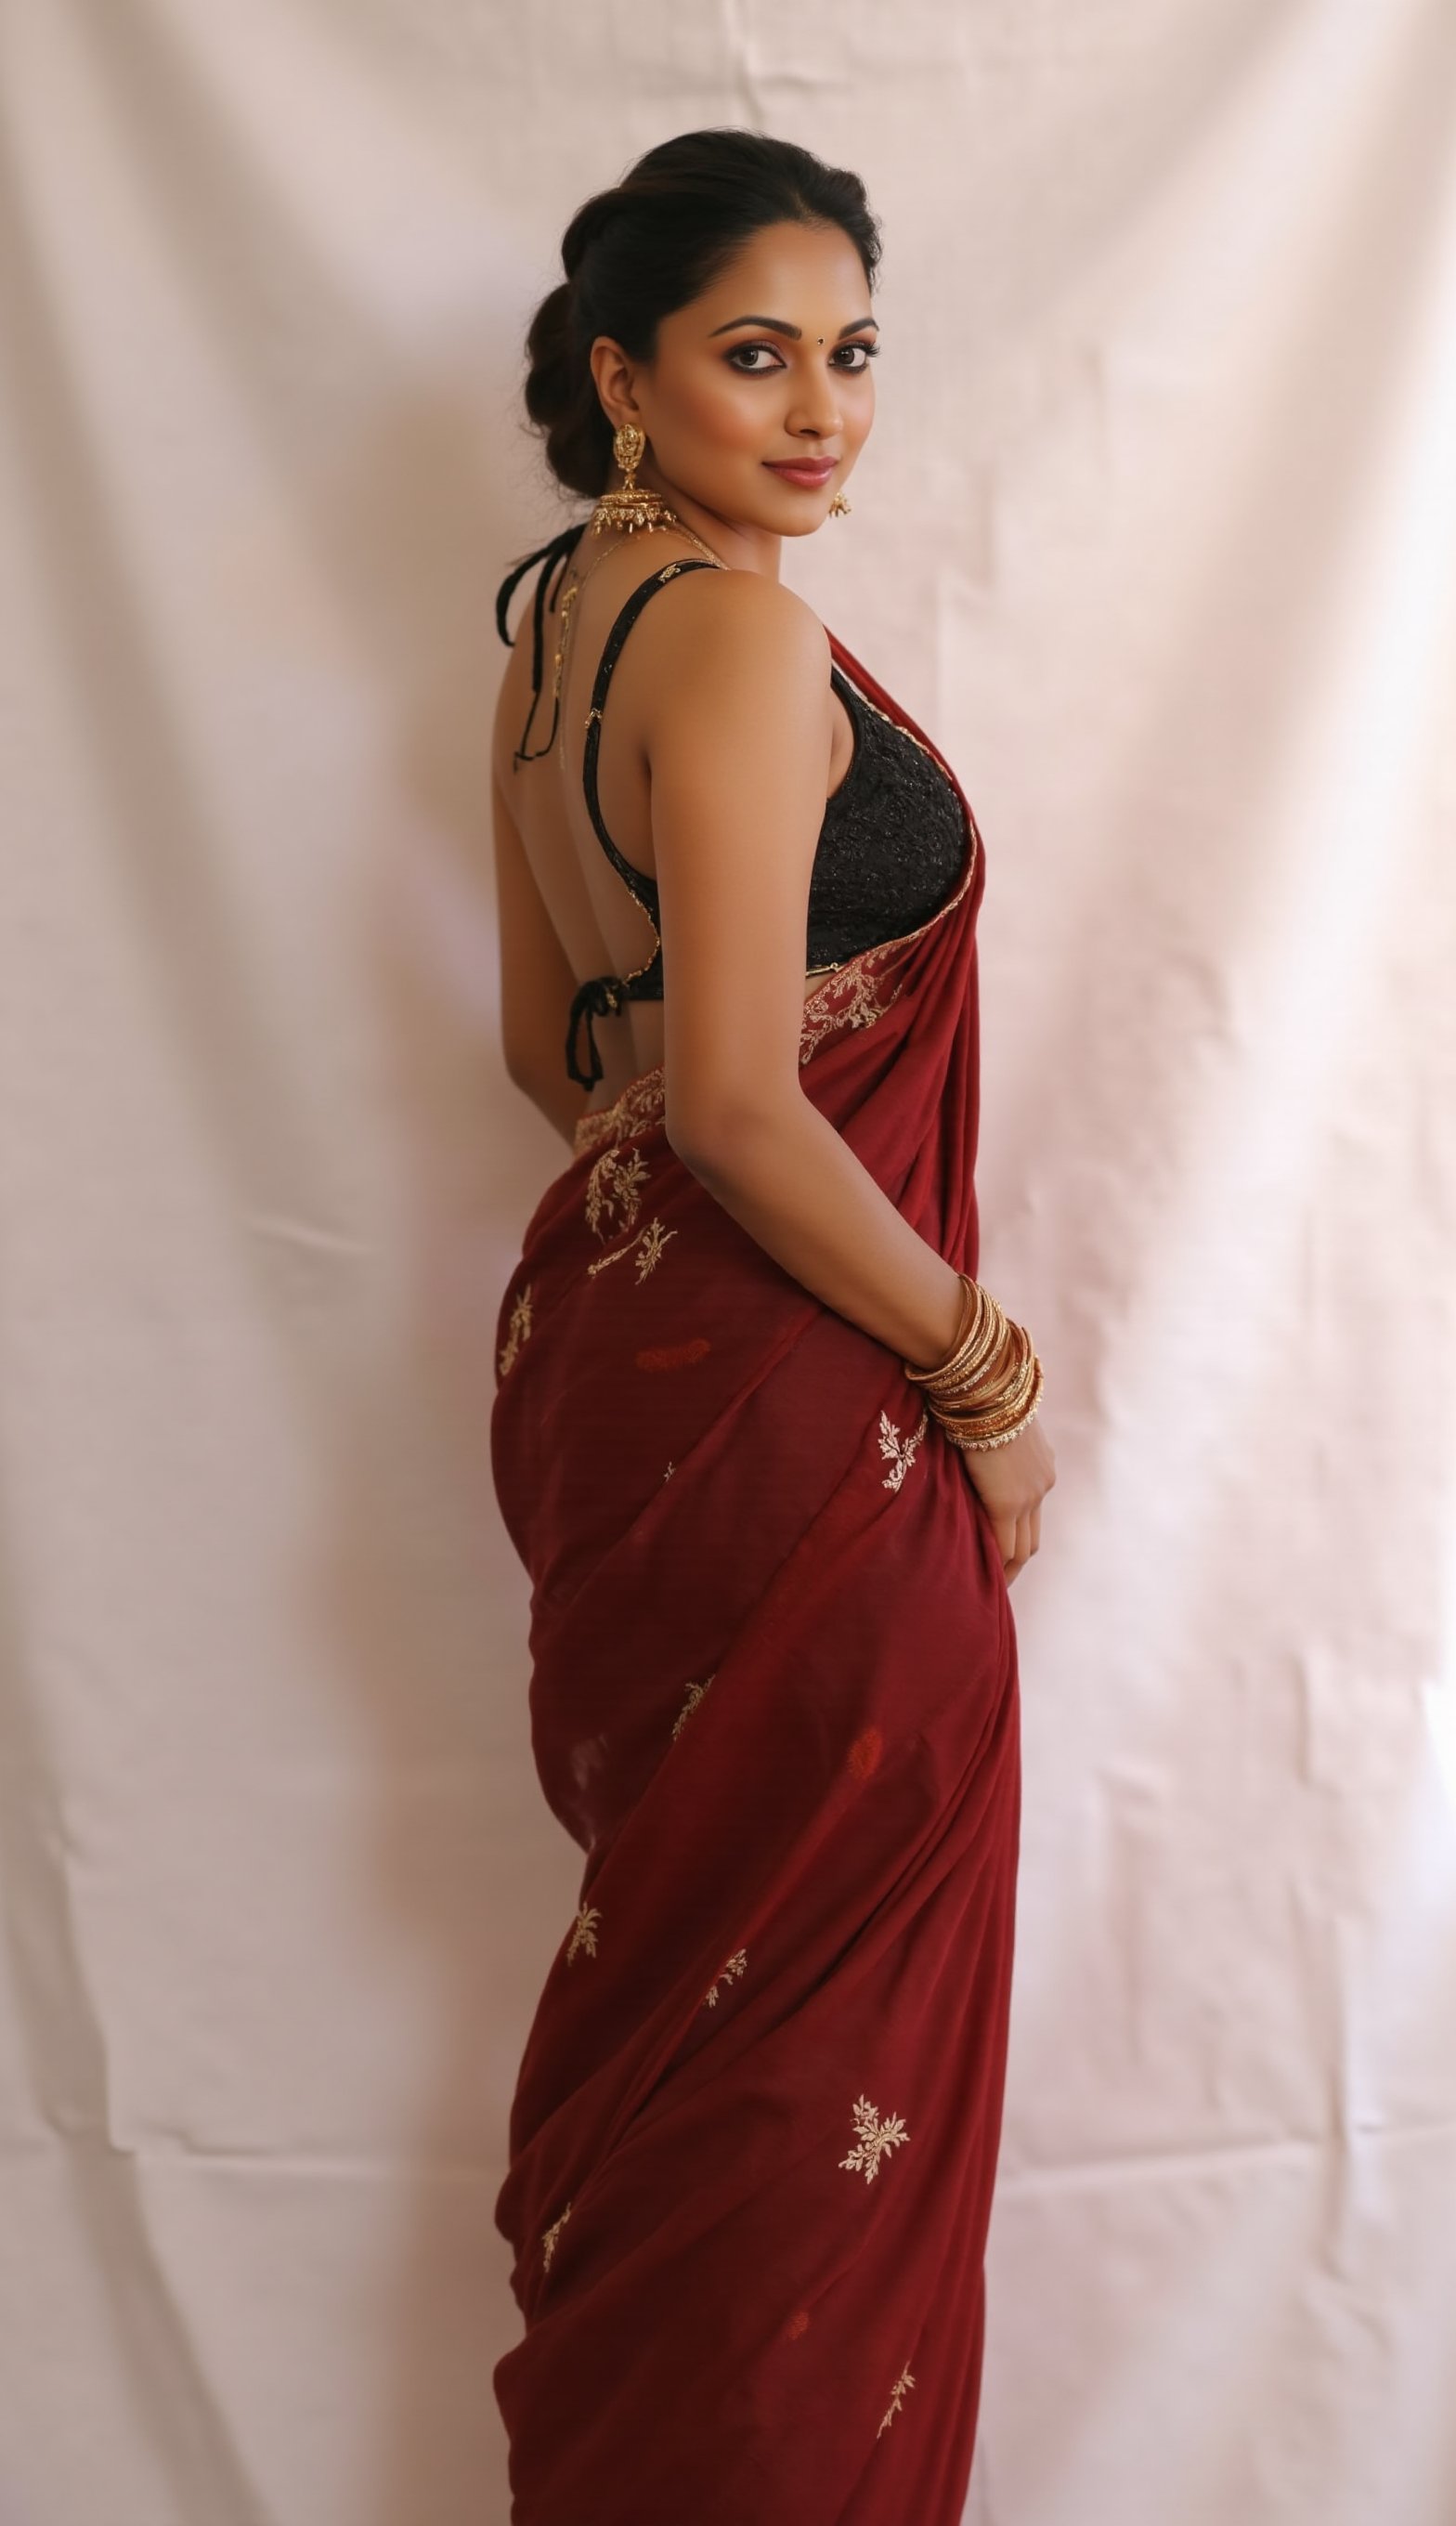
[774, 1698]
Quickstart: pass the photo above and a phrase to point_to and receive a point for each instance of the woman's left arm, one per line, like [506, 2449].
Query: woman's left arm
[536, 983]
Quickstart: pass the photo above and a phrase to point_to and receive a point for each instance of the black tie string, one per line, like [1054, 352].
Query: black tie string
[601, 998]
[556, 554]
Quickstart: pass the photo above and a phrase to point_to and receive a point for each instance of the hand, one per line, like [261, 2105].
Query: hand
[1013, 1480]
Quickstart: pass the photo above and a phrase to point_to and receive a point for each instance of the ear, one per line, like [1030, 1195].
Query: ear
[613, 375]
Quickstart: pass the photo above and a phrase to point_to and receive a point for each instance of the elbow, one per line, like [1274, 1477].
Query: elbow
[723, 1144]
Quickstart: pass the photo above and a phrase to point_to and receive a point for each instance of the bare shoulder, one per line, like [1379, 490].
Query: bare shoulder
[729, 627]
[734, 607]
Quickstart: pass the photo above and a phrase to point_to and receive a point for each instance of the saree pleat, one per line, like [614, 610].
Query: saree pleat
[774, 1700]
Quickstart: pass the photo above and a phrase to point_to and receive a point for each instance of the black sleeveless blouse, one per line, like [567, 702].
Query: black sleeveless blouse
[890, 847]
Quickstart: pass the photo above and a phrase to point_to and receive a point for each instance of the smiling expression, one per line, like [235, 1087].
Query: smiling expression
[761, 392]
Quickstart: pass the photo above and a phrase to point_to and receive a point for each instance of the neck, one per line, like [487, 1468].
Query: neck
[740, 545]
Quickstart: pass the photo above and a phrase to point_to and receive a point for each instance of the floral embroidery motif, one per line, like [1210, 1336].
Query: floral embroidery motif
[614, 1183]
[519, 1329]
[738, 1964]
[670, 1470]
[654, 1238]
[695, 1692]
[648, 1243]
[639, 1108]
[548, 2239]
[903, 2381]
[617, 1254]
[852, 996]
[875, 2136]
[898, 1448]
[584, 1935]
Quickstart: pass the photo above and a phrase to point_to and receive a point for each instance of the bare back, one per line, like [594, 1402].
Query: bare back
[599, 924]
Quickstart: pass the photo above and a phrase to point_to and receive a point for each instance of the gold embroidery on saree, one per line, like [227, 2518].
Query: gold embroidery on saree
[612, 1185]
[617, 1254]
[853, 997]
[639, 1108]
[877, 2135]
[898, 1448]
[654, 1238]
[548, 2239]
[852, 994]
[648, 1243]
[902, 2383]
[738, 1964]
[583, 1933]
[518, 1332]
[695, 1692]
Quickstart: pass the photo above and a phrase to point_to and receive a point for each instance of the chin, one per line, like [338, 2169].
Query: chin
[794, 512]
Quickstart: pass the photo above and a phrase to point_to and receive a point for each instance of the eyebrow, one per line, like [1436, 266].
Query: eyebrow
[794, 333]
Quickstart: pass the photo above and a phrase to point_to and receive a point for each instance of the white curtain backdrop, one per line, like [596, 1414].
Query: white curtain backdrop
[1157, 534]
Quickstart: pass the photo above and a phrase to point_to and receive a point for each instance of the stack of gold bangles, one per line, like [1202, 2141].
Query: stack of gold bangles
[987, 1387]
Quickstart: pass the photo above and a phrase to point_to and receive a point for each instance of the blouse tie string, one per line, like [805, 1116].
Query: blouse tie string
[556, 554]
[601, 998]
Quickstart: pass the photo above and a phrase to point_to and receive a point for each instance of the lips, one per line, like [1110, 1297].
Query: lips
[807, 476]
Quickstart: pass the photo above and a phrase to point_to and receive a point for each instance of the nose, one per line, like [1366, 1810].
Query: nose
[815, 407]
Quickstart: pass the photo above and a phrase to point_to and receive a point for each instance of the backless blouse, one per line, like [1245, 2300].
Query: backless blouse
[889, 849]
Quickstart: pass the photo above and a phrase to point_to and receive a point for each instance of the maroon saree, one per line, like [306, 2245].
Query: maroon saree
[774, 1698]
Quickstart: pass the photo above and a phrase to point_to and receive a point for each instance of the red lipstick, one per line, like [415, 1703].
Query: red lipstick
[806, 472]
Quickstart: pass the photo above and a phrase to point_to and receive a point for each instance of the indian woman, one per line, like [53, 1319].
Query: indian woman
[768, 1451]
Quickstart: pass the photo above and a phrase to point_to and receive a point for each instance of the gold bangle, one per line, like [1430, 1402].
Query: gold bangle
[1010, 1376]
[969, 1319]
[980, 1331]
[987, 1386]
[966, 1439]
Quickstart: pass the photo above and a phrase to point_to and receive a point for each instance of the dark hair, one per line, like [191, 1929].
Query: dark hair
[647, 246]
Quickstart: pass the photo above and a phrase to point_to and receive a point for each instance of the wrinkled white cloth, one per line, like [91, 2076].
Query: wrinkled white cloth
[1157, 532]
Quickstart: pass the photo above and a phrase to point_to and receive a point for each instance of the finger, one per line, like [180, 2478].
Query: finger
[1004, 1529]
[1037, 1527]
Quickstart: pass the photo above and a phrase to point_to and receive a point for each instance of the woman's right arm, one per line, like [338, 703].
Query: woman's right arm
[738, 733]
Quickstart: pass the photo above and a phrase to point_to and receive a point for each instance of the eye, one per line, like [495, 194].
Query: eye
[750, 351]
[871, 351]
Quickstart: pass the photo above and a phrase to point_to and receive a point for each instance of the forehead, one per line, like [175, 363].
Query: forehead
[803, 274]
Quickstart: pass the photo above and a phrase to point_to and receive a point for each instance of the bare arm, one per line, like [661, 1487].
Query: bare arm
[739, 741]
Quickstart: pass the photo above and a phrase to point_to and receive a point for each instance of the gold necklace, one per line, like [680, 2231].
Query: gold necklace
[671, 519]
[570, 594]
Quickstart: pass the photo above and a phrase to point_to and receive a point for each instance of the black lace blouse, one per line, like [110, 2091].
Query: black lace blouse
[890, 847]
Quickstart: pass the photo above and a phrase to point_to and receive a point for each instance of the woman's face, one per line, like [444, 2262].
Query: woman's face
[768, 371]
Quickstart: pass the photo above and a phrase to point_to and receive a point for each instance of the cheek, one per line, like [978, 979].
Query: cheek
[716, 409]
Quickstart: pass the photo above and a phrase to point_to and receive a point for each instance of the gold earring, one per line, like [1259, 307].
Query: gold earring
[629, 507]
[838, 506]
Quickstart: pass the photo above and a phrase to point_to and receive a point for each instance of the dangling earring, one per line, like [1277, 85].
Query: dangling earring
[838, 506]
[629, 507]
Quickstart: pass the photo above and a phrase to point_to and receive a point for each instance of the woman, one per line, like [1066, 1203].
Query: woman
[765, 1449]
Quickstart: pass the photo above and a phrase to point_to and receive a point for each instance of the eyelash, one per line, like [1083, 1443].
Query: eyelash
[869, 349]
